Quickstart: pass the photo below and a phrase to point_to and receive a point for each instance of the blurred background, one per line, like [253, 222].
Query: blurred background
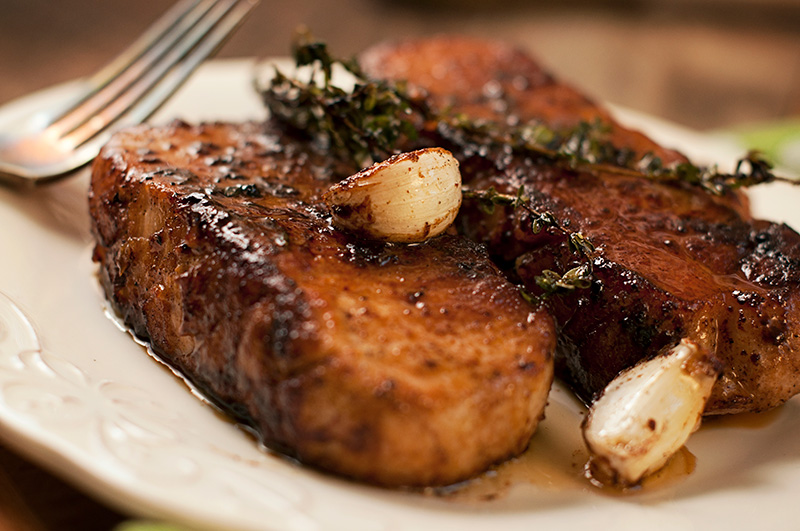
[706, 64]
[712, 65]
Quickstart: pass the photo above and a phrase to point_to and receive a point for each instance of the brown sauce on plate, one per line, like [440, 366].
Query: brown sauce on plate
[556, 461]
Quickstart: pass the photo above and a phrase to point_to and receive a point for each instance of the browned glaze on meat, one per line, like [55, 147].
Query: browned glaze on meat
[393, 364]
[671, 261]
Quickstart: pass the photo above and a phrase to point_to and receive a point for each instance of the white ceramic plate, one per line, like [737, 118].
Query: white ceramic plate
[80, 397]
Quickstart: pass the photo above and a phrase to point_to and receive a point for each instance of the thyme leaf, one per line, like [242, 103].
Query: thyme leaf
[540, 221]
[579, 277]
[579, 244]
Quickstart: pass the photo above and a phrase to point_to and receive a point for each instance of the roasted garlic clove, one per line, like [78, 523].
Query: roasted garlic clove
[407, 198]
[647, 413]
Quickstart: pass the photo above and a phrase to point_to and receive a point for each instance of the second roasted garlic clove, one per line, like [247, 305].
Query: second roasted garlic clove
[646, 414]
[407, 198]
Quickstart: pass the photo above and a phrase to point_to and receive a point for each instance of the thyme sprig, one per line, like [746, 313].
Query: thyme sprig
[362, 125]
[584, 145]
[587, 147]
[550, 282]
[751, 170]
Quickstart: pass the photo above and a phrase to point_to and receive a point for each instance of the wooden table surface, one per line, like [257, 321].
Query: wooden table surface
[705, 63]
[32, 499]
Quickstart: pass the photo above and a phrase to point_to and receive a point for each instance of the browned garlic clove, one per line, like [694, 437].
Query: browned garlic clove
[647, 413]
[407, 198]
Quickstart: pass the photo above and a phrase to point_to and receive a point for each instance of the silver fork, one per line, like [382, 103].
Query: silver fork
[52, 143]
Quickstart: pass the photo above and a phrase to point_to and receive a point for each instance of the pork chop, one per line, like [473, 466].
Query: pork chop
[670, 260]
[393, 364]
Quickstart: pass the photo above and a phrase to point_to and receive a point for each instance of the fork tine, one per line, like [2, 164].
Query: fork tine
[134, 63]
[132, 53]
[147, 93]
[152, 34]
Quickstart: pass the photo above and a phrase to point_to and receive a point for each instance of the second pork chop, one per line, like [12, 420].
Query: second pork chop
[670, 261]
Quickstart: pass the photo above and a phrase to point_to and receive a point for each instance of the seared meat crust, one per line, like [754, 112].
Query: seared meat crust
[671, 261]
[393, 364]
